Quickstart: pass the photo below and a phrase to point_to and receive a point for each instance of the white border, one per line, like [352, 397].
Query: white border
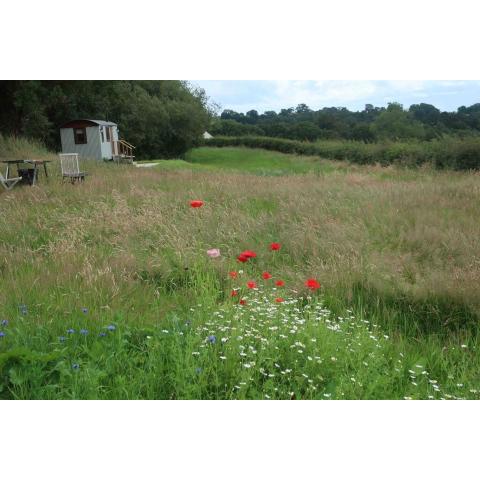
[252, 39]
[238, 40]
[239, 440]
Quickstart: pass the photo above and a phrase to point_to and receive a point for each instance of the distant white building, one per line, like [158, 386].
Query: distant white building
[207, 136]
[96, 139]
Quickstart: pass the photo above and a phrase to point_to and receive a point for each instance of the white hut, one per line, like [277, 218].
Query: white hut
[96, 139]
[207, 136]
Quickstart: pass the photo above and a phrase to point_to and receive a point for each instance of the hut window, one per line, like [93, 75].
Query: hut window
[102, 134]
[108, 133]
[80, 135]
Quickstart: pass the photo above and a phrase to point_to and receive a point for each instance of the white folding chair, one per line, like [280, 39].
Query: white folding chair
[70, 167]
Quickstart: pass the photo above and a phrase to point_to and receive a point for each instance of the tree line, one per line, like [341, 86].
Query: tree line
[420, 122]
[161, 118]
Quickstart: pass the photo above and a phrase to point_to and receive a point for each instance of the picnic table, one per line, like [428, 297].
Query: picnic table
[36, 165]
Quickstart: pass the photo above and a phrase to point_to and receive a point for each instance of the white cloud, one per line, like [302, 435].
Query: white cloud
[407, 85]
[353, 94]
[451, 83]
[316, 94]
[346, 90]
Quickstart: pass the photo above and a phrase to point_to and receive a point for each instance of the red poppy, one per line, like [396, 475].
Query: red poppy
[266, 276]
[275, 246]
[280, 283]
[242, 302]
[251, 284]
[247, 254]
[312, 284]
[234, 293]
[233, 274]
[196, 203]
[279, 300]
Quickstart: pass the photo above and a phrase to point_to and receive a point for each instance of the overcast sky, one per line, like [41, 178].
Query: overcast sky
[262, 95]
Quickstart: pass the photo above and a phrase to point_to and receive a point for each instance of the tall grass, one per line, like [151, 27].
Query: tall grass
[394, 249]
[20, 147]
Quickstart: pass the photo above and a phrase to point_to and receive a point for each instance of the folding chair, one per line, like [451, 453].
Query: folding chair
[70, 167]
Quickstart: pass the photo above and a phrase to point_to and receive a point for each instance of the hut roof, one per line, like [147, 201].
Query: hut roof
[86, 122]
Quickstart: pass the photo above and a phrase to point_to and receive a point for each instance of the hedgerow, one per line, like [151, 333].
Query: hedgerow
[446, 153]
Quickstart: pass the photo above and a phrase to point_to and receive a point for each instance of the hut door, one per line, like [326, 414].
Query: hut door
[114, 152]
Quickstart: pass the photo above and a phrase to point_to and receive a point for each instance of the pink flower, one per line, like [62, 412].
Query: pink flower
[213, 252]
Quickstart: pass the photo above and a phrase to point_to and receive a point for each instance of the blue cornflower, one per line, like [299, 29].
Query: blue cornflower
[85, 310]
[111, 328]
[70, 330]
[75, 366]
[198, 370]
[84, 332]
[23, 309]
[2, 334]
[61, 339]
[212, 338]
[4, 323]
[102, 334]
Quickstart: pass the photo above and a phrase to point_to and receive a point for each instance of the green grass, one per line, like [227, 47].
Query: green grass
[257, 161]
[296, 349]
[396, 317]
[18, 147]
[169, 165]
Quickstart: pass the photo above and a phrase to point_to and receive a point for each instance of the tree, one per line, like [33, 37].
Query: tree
[252, 116]
[425, 113]
[287, 112]
[395, 123]
[161, 118]
[305, 131]
[233, 115]
[302, 108]
[363, 132]
[231, 128]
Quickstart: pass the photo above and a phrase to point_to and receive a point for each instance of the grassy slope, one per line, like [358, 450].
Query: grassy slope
[396, 247]
[260, 162]
[17, 147]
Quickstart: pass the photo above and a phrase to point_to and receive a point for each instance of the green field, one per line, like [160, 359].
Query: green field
[107, 291]
[260, 162]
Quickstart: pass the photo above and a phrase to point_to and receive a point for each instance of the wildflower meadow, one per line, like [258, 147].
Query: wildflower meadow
[208, 284]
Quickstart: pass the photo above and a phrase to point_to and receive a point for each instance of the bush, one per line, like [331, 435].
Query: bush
[451, 153]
